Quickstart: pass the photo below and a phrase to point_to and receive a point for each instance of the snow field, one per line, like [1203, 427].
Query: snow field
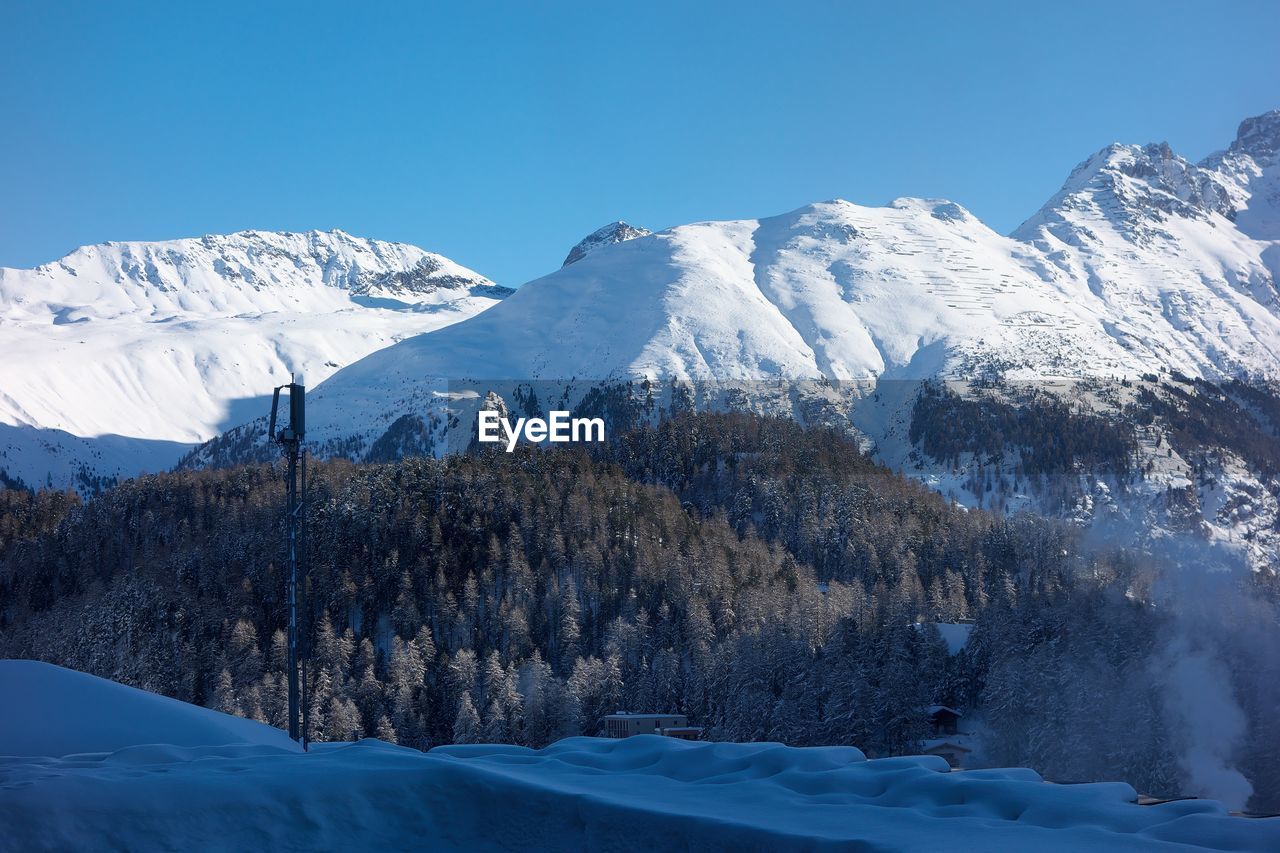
[229, 785]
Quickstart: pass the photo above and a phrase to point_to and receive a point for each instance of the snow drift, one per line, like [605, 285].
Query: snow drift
[244, 790]
[52, 711]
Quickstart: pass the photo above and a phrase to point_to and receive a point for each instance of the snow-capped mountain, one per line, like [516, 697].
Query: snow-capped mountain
[614, 232]
[1150, 244]
[119, 356]
[1142, 263]
[1136, 264]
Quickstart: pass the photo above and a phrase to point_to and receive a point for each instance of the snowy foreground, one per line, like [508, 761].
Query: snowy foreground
[90, 764]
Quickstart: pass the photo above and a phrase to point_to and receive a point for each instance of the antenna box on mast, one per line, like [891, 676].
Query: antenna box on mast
[297, 413]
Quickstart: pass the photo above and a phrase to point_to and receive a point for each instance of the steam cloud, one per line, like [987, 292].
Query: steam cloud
[1202, 590]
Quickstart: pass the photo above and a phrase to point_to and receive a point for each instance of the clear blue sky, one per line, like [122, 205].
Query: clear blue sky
[499, 133]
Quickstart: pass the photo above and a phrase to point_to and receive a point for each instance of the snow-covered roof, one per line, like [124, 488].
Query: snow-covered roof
[942, 744]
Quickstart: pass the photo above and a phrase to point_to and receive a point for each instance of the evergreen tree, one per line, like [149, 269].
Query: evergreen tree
[466, 727]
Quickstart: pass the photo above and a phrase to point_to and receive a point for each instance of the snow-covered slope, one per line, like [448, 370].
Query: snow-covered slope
[832, 290]
[160, 345]
[640, 793]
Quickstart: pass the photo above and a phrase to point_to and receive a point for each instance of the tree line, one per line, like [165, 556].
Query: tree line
[767, 580]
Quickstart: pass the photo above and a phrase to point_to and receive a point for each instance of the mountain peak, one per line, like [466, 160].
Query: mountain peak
[614, 232]
[1135, 187]
[939, 208]
[1259, 136]
[1250, 170]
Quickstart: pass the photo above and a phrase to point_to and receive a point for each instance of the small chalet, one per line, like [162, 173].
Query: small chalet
[943, 720]
[623, 724]
[954, 753]
[946, 740]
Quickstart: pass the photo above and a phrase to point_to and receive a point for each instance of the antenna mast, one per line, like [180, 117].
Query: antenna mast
[290, 440]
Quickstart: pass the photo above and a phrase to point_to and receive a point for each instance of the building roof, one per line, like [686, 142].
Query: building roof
[934, 709]
[944, 744]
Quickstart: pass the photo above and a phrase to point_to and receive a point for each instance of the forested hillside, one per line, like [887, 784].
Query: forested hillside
[767, 580]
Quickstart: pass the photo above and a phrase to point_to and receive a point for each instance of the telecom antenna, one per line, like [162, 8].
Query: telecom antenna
[290, 440]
